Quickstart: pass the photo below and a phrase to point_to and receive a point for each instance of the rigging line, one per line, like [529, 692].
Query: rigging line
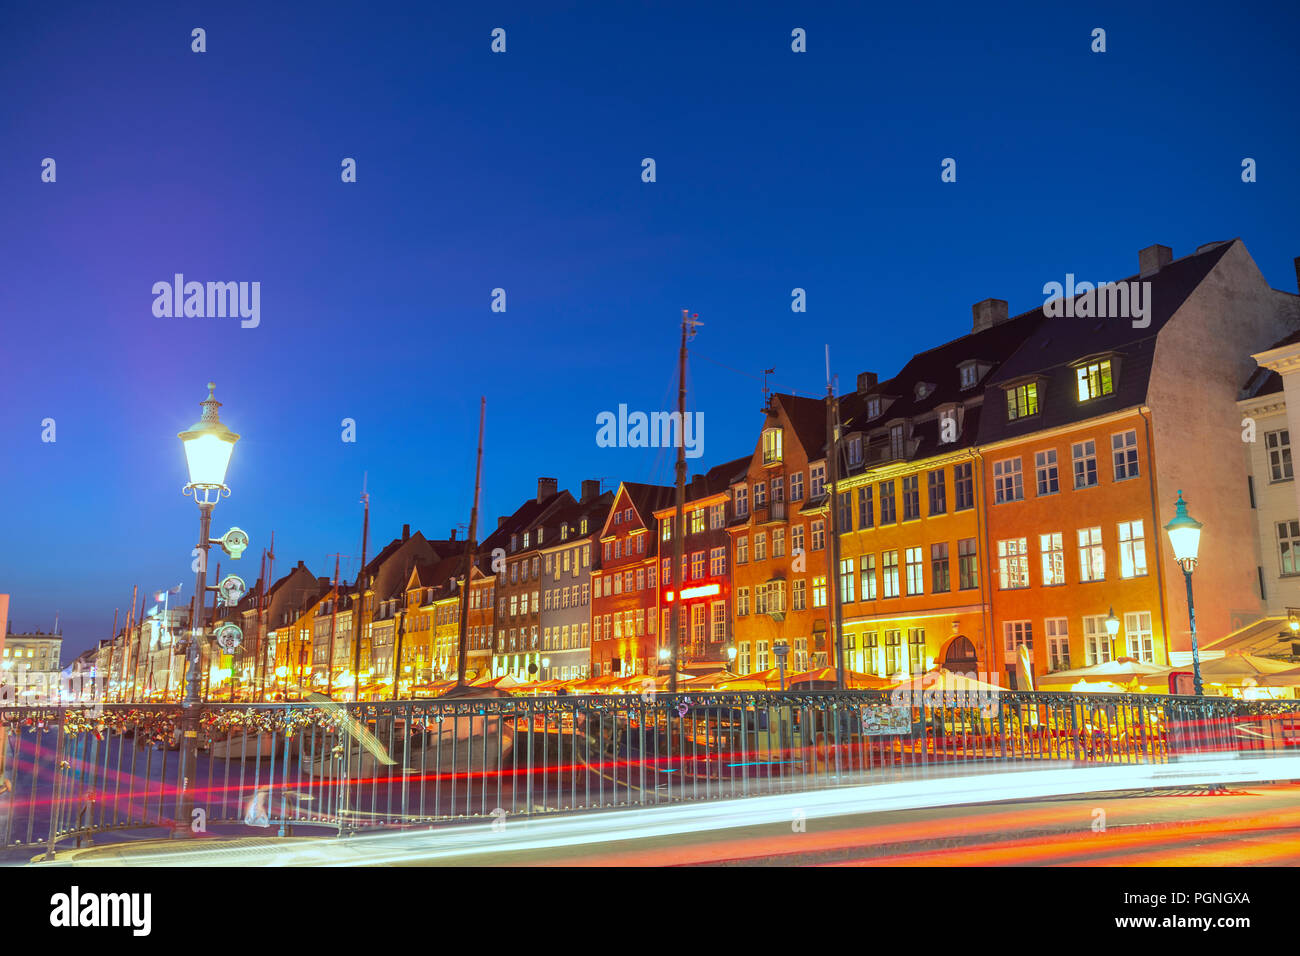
[757, 378]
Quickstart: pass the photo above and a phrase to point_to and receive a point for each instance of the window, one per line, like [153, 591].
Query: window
[887, 515]
[846, 580]
[1124, 448]
[760, 494]
[867, 569]
[968, 575]
[760, 546]
[697, 563]
[1137, 634]
[1084, 454]
[889, 564]
[1096, 641]
[873, 408]
[916, 650]
[719, 621]
[1017, 634]
[866, 510]
[800, 591]
[817, 480]
[1008, 484]
[855, 450]
[896, 442]
[778, 489]
[778, 543]
[1094, 380]
[818, 535]
[743, 658]
[844, 512]
[796, 539]
[1058, 643]
[1092, 557]
[717, 516]
[665, 529]
[1022, 401]
[1278, 445]
[796, 486]
[969, 375]
[963, 486]
[1013, 564]
[699, 626]
[762, 655]
[819, 591]
[939, 582]
[1288, 541]
[742, 501]
[893, 642]
[742, 552]
[911, 498]
[742, 602]
[1049, 481]
[1132, 550]
[771, 445]
[697, 519]
[1052, 548]
[938, 492]
[717, 561]
[915, 575]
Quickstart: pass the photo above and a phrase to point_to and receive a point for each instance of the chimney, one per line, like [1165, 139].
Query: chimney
[591, 486]
[301, 565]
[453, 535]
[866, 380]
[988, 313]
[1152, 259]
[546, 487]
[501, 520]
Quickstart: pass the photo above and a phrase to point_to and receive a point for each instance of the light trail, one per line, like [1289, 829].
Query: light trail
[465, 843]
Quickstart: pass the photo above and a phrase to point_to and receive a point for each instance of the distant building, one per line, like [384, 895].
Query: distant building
[30, 662]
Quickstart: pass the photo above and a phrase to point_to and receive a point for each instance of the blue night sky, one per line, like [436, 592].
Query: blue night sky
[775, 170]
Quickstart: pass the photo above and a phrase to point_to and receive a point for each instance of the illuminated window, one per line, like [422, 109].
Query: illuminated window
[1052, 549]
[1094, 380]
[1022, 401]
[1013, 564]
[1092, 557]
[1132, 550]
[772, 445]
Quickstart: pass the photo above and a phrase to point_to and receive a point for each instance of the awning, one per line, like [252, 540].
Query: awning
[1263, 635]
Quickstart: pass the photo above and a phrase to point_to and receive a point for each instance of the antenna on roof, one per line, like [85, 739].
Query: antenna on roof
[767, 392]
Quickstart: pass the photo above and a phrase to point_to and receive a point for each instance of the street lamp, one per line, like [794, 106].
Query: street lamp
[1112, 628]
[208, 445]
[546, 668]
[1185, 538]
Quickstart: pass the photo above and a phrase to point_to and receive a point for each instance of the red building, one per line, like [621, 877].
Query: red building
[624, 575]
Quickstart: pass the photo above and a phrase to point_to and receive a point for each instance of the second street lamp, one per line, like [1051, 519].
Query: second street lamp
[1112, 628]
[1185, 538]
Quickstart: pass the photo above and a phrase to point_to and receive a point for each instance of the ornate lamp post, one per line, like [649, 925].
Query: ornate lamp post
[208, 445]
[1112, 628]
[1185, 538]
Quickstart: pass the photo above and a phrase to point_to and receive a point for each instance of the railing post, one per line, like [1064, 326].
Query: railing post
[56, 805]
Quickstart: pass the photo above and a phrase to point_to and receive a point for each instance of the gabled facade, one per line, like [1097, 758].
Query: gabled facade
[625, 594]
[571, 536]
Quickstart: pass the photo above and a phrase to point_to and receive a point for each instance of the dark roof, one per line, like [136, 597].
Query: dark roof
[1050, 352]
[595, 510]
[807, 417]
[522, 519]
[1263, 381]
[647, 499]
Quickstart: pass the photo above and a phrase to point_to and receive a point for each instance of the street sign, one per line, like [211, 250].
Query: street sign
[229, 637]
[233, 542]
[231, 589]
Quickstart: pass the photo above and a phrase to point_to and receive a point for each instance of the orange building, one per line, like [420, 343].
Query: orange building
[779, 540]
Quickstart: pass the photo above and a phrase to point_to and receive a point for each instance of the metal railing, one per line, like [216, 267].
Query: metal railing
[71, 773]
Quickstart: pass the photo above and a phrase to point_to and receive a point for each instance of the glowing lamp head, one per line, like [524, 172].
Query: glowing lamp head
[663, 653]
[1112, 623]
[1184, 534]
[1294, 624]
[208, 445]
[731, 653]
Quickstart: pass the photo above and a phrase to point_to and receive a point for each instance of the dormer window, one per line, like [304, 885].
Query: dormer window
[971, 372]
[1095, 379]
[564, 531]
[514, 542]
[772, 446]
[583, 526]
[525, 539]
[873, 408]
[855, 450]
[1022, 401]
[923, 389]
[897, 441]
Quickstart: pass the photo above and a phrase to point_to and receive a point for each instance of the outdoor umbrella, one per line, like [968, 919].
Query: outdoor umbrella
[1233, 668]
[1119, 671]
[945, 680]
